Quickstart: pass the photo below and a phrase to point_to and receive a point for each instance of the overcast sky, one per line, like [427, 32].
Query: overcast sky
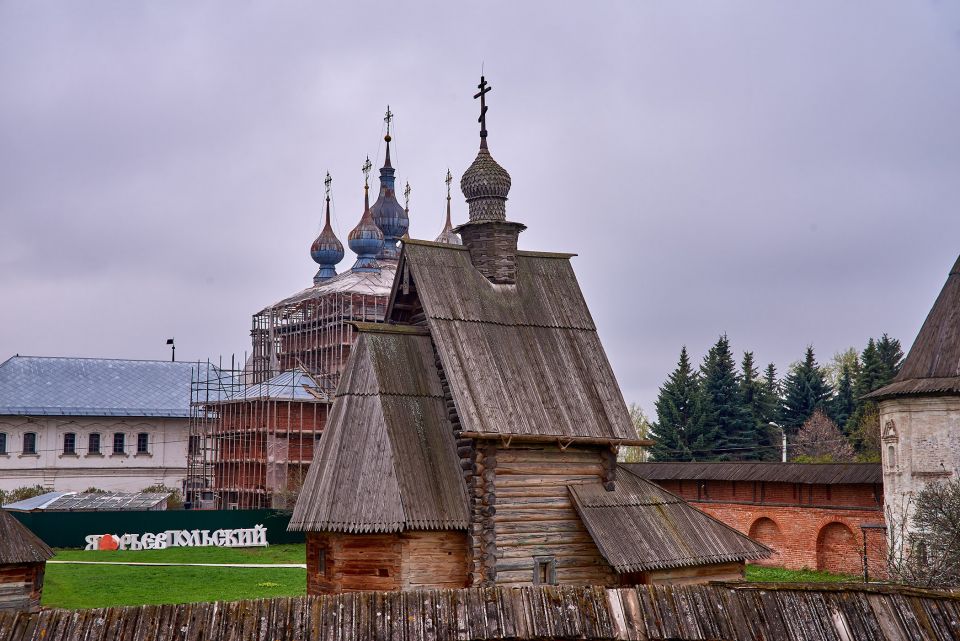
[787, 173]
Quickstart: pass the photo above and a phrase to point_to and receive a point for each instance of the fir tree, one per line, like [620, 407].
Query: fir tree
[891, 358]
[871, 370]
[730, 433]
[768, 436]
[679, 414]
[844, 403]
[804, 390]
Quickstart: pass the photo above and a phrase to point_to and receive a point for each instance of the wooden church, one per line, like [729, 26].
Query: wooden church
[473, 437]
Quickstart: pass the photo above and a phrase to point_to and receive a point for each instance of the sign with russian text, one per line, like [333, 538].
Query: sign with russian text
[255, 536]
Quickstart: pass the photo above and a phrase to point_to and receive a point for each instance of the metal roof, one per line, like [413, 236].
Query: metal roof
[730, 611]
[640, 527]
[523, 359]
[292, 385]
[369, 283]
[387, 461]
[58, 386]
[812, 473]
[18, 544]
[933, 364]
[89, 502]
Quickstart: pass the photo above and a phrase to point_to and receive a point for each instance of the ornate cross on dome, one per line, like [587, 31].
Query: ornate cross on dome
[448, 180]
[388, 118]
[366, 171]
[406, 196]
[326, 184]
[484, 90]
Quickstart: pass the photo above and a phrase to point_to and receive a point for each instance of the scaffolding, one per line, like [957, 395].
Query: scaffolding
[253, 429]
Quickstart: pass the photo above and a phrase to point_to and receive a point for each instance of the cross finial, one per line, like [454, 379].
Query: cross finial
[388, 118]
[406, 196]
[448, 180]
[484, 90]
[366, 171]
[326, 184]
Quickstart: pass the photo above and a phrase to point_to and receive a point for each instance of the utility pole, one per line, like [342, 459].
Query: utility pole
[173, 350]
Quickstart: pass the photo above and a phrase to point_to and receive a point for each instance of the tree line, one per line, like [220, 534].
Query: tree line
[720, 411]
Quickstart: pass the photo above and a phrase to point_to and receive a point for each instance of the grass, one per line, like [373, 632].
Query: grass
[762, 574]
[97, 586]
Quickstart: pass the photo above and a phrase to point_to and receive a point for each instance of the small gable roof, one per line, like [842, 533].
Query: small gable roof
[18, 544]
[664, 530]
[387, 461]
[522, 359]
[933, 364]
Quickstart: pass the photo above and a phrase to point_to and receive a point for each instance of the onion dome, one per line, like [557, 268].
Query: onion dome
[366, 239]
[485, 184]
[389, 216]
[448, 235]
[326, 250]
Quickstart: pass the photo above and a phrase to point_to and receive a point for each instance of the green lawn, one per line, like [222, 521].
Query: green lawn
[780, 575]
[96, 586]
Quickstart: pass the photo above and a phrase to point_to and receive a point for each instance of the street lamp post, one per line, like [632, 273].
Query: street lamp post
[783, 434]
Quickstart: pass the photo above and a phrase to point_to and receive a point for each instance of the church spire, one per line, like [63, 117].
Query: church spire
[448, 235]
[326, 250]
[392, 219]
[366, 239]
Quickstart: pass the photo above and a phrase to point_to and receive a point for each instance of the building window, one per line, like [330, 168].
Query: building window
[119, 443]
[3, 442]
[30, 443]
[891, 457]
[93, 443]
[193, 445]
[544, 570]
[322, 562]
[69, 443]
[143, 443]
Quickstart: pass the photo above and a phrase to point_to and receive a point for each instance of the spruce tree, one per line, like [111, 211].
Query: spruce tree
[804, 390]
[753, 396]
[891, 358]
[730, 433]
[844, 403]
[679, 414]
[768, 436]
[871, 370]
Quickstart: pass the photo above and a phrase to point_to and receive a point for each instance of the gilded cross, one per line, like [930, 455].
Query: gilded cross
[448, 180]
[406, 196]
[388, 118]
[484, 90]
[367, 166]
[326, 184]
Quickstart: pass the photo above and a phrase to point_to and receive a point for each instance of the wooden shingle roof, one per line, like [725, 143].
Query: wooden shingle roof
[18, 544]
[522, 359]
[387, 461]
[640, 527]
[933, 364]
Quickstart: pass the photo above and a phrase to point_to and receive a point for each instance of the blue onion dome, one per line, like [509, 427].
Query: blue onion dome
[366, 239]
[388, 214]
[326, 250]
[485, 185]
[448, 235]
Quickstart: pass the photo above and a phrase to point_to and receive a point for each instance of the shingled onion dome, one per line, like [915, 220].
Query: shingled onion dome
[326, 250]
[388, 214]
[366, 239]
[485, 185]
[448, 236]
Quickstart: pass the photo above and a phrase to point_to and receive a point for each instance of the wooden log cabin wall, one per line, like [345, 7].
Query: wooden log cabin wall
[23, 559]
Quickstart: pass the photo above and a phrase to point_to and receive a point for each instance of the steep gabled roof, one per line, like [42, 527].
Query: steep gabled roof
[387, 461]
[933, 364]
[56, 386]
[18, 544]
[522, 359]
[640, 527]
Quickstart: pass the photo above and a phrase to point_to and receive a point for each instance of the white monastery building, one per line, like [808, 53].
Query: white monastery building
[68, 424]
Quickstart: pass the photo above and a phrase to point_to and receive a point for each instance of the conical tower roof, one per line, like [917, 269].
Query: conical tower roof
[933, 364]
[447, 235]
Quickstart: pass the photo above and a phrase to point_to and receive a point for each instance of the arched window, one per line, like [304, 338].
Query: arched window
[30, 443]
[119, 443]
[143, 443]
[891, 457]
[93, 443]
[70, 443]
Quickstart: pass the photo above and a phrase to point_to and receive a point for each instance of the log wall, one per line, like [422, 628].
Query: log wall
[698, 574]
[21, 586]
[402, 561]
[533, 515]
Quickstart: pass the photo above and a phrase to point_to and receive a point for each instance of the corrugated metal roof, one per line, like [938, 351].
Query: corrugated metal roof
[732, 612]
[819, 473]
[933, 364]
[521, 359]
[387, 461]
[57, 386]
[640, 526]
[89, 502]
[18, 544]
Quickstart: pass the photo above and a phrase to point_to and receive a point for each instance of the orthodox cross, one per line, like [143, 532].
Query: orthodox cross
[406, 197]
[326, 185]
[484, 90]
[448, 180]
[366, 171]
[388, 118]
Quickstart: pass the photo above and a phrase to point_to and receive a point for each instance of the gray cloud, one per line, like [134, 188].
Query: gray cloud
[787, 174]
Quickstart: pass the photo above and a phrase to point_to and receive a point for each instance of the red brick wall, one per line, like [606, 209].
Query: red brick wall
[808, 526]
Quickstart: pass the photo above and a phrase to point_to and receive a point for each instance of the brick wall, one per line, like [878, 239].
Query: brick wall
[808, 526]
